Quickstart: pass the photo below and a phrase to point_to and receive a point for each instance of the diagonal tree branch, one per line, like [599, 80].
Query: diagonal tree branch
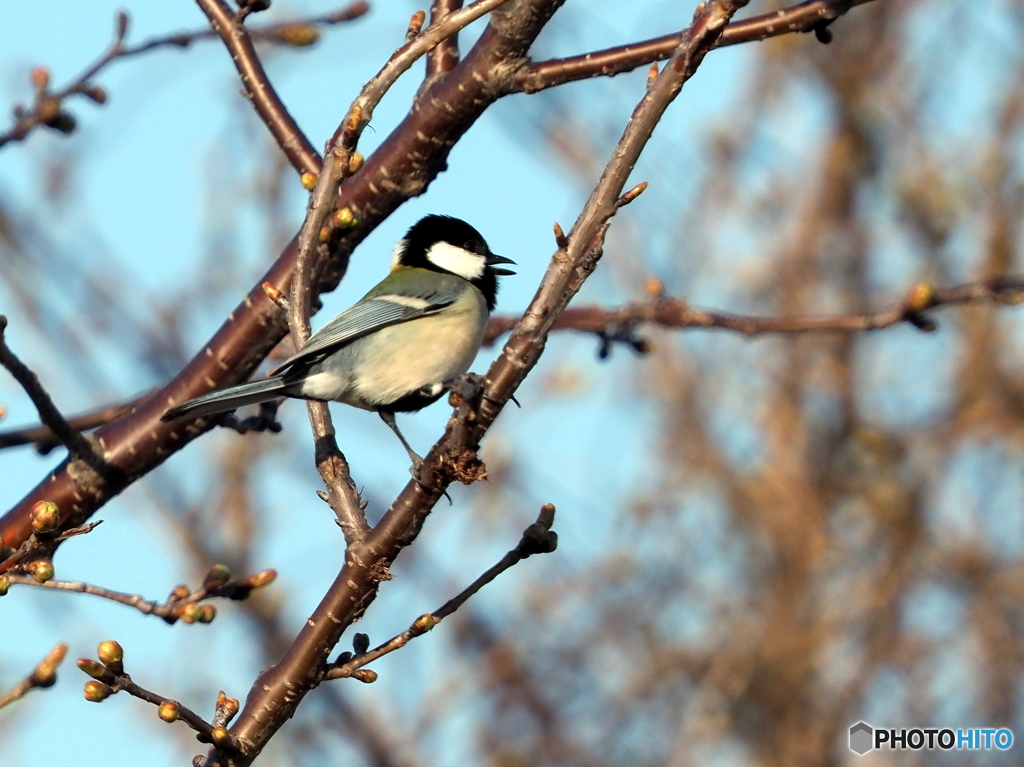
[621, 324]
[279, 689]
[257, 88]
[80, 448]
[445, 56]
[805, 17]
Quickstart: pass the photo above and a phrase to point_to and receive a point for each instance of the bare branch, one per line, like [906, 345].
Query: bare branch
[257, 88]
[78, 446]
[42, 676]
[45, 440]
[342, 495]
[445, 56]
[538, 538]
[109, 678]
[805, 17]
[48, 108]
[620, 324]
[182, 604]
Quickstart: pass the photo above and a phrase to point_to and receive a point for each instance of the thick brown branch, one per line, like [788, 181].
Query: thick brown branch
[804, 17]
[257, 88]
[620, 324]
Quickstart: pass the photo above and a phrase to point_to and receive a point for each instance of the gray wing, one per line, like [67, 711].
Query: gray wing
[362, 319]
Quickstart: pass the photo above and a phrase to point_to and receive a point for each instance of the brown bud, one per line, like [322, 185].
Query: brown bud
[422, 625]
[40, 78]
[355, 162]
[96, 691]
[415, 25]
[122, 25]
[191, 613]
[632, 194]
[325, 234]
[226, 707]
[5, 585]
[45, 674]
[920, 297]
[560, 239]
[547, 515]
[45, 517]
[217, 576]
[365, 675]
[168, 711]
[220, 736]
[96, 670]
[180, 591]
[652, 73]
[262, 578]
[110, 653]
[654, 288]
[297, 34]
[207, 613]
[96, 93]
[308, 180]
[355, 119]
[360, 643]
[273, 293]
[343, 218]
[41, 570]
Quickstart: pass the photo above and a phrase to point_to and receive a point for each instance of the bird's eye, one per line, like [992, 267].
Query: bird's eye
[474, 246]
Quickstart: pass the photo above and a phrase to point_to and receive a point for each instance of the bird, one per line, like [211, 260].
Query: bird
[402, 345]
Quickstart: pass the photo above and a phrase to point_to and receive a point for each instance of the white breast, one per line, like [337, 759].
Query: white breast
[404, 358]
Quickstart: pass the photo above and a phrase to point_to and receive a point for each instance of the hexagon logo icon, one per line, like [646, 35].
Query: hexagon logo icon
[861, 737]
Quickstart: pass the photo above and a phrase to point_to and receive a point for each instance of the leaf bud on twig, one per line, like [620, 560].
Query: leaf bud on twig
[96, 691]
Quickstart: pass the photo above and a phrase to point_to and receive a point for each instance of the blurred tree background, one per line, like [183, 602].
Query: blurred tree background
[763, 540]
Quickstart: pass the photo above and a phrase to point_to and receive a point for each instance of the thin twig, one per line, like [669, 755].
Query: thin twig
[619, 324]
[78, 446]
[48, 109]
[109, 678]
[45, 440]
[342, 495]
[42, 676]
[538, 538]
[805, 17]
[182, 604]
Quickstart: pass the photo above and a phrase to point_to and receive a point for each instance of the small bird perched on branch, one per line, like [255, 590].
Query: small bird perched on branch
[401, 346]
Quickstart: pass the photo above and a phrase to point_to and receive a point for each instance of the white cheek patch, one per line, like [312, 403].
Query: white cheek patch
[456, 260]
[396, 254]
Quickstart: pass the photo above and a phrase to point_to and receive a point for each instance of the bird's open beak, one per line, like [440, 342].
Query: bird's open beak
[492, 259]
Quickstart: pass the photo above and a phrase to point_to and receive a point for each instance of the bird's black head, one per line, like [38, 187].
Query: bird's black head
[446, 244]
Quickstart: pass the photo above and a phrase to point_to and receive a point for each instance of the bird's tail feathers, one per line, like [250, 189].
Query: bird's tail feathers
[228, 399]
